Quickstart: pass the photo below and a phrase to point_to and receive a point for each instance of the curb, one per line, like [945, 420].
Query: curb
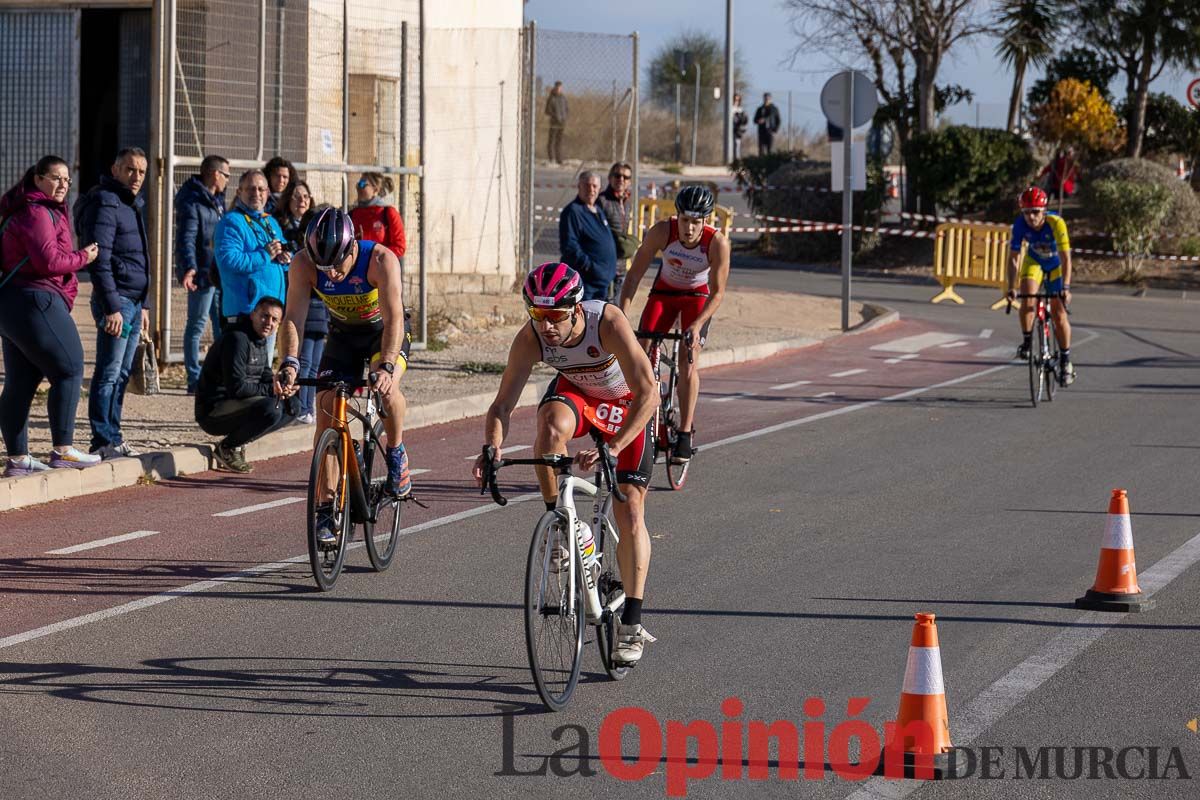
[64, 484]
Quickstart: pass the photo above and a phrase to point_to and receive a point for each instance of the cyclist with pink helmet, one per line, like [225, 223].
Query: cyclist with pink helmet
[604, 383]
[1047, 257]
[361, 285]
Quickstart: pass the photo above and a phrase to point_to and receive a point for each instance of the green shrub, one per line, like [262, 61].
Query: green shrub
[1183, 216]
[751, 172]
[966, 169]
[1189, 247]
[1133, 213]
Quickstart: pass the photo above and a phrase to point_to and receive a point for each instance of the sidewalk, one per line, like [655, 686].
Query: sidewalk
[457, 381]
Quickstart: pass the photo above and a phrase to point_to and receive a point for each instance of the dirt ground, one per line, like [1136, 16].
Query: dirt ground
[470, 336]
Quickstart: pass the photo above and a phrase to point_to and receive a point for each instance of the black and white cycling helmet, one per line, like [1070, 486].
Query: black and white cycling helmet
[694, 201]
[329, 238]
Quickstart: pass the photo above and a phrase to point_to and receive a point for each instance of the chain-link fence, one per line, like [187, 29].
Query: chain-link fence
[590, 122]
[330, 85]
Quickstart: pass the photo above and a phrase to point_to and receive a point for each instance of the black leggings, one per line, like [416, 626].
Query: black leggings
[243, 421]
[39, 340]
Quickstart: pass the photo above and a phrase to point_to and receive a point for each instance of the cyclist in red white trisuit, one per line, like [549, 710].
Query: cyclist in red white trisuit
[689, 286]
[604, 383]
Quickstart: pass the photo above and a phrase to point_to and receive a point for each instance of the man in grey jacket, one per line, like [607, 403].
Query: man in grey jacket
[556, 110]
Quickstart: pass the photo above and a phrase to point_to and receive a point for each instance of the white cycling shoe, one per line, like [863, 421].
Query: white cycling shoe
[629, 643]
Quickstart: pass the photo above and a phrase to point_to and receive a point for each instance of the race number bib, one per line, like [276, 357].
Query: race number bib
[608, 415]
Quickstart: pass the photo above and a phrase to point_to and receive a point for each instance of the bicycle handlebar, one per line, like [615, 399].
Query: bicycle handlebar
[491, 469]
[349, 385]
[686, 338]
[1036, 295]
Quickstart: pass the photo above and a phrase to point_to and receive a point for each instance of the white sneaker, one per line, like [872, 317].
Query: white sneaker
[306, 419]
[125, 449]
[628, 644]
[22, 466]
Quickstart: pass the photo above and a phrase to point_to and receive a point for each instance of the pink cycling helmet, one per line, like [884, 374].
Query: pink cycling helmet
[552, 285]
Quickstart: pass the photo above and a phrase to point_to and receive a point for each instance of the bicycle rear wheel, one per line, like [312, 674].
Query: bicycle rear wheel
[383, 534]
[325, 507]
[1052, 365]
[553, 637]
[1037, 374]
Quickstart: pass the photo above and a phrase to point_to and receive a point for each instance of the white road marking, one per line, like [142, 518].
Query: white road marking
[791, 385]
[917, 343]
[847, 373]
[953, 344]
[737, 396]
[903, 358]
[506, 450]
[989, 706]
[825, 394]
[1006, 352]
[412, 472]
[986, 333]
[237, 512]
[79, 548]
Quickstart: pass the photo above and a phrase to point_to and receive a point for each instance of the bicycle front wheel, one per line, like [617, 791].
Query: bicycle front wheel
[553, 634]
[383, 534]
[328, 506]
[1036, 374]
[1052, 365]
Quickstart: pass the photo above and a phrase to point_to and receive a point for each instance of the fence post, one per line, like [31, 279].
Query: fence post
[168, 181]
[695, 111]
[424, 316]
[532, 133]
[154, 178]
[678, 141]
[345, 100]
[262, 76]
[637, 132]
[403, 199]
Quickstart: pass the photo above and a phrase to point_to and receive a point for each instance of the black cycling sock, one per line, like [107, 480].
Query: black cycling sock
[1066, 354]
[1028, 337]
[632, 613]
[551, 504]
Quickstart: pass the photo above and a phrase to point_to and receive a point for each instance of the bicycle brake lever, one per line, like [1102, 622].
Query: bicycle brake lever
[489, 476]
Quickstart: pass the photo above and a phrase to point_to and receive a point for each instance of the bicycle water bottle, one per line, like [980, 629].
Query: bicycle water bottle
[587, 542]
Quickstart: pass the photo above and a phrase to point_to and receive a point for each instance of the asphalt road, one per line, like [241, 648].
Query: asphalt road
[838, 490]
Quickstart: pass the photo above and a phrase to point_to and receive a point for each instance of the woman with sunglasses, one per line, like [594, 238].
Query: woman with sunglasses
[604, 383]
[1047, 257]
[376, 220]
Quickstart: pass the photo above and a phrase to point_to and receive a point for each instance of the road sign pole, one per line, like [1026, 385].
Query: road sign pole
[847, 198]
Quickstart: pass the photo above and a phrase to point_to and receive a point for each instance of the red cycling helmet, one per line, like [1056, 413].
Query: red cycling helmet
[552, 285]
[1033, 197]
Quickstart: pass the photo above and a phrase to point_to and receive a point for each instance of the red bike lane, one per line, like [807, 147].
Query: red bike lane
[209, 526]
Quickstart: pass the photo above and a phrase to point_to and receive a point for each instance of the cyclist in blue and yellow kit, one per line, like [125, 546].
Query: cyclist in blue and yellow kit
[1047, 256]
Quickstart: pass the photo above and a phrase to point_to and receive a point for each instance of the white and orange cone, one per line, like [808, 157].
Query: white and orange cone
[1116, 587]
[923, 697]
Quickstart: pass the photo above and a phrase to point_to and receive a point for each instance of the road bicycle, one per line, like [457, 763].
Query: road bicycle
[666, 424]
[348, 483]
[1045, 365]
[566, 587]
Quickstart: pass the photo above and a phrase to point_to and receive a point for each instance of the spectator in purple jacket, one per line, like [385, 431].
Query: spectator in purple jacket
[38, 262]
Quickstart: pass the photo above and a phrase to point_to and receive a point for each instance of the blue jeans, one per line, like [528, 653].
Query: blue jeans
[311, 350]
[114, 362]
[202, 305]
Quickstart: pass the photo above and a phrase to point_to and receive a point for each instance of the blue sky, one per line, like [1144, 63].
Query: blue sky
[763, 34]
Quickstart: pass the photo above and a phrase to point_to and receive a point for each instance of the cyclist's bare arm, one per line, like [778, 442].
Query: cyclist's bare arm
[656, 239]
[1014, 262]
[524, 353]
[1065, 257]
[718, 278]
[616, 336]
[301, 280]
[384, 274]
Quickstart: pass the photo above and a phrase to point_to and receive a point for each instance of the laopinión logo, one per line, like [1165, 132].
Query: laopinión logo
[739, 749]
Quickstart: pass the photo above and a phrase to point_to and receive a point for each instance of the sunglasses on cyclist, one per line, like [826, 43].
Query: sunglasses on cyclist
[551, 315]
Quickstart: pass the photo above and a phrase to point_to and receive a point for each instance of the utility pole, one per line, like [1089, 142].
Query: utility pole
[727, 148]
[696, 111]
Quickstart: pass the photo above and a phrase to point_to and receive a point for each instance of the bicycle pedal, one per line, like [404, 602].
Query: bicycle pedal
[411, 496]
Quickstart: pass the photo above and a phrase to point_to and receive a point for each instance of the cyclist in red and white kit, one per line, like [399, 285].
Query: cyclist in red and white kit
[604, 383]
[689, 286]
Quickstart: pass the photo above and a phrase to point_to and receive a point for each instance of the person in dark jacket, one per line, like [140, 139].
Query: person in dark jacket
[298, 198]
[111, 216]
[615, 202]
[766, 117]
[740, 123]
[237, 396]
[585, 241]
[38, 262]
[281, 174]
[199, 205]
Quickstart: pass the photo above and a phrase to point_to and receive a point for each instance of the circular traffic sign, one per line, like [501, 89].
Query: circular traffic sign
[833, 98]
[1193, 93]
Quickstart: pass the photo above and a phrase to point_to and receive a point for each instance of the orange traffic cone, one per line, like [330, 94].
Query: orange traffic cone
[923, 698]
[1181, 172]
[1116, 587]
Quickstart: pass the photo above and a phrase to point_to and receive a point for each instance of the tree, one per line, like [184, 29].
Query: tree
[1029, 28]
[709, 54]
[1142, 37]
[1077, 115]
[1080, 63]
[1168, 125]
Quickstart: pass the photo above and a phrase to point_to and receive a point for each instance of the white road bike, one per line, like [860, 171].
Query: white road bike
[566, 589]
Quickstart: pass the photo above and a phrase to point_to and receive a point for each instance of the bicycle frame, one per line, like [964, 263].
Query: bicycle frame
[342, 413]
[567, 485]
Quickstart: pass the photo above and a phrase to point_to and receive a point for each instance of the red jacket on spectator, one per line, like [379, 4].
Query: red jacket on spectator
[39, 228]
[379, 222]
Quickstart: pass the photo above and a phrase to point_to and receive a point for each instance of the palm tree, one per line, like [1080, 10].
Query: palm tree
[1028, 30]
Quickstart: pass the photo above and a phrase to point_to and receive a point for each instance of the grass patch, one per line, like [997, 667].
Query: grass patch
[482, 368]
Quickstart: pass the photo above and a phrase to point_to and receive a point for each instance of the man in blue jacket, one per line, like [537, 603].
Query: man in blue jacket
[111, 216]
[585, 240]
[199, 206]
[251, 257]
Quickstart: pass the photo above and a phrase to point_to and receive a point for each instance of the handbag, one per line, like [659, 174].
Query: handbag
[144, 377]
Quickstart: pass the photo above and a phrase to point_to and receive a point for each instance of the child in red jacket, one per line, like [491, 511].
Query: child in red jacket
[374, 219]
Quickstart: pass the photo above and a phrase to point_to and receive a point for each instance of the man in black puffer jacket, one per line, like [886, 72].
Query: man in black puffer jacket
[199, 205]
[237, 396]
[111, 216]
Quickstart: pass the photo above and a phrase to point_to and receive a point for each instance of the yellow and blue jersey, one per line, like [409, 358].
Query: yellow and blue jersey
[1044, 243]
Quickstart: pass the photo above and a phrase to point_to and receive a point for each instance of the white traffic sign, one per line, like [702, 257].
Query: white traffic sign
[1193, 93]
[863, 105]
